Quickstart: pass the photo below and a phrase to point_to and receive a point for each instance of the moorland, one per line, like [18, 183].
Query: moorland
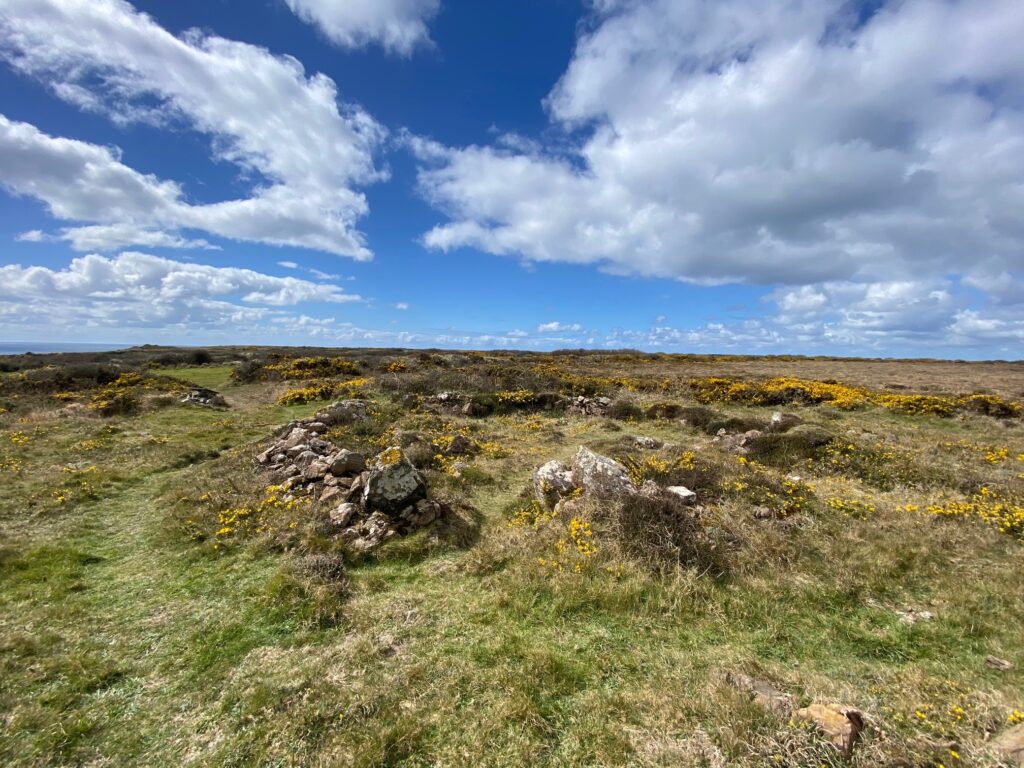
[728, 560]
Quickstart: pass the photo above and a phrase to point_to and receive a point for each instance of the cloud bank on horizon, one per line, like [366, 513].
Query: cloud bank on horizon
[856, 167]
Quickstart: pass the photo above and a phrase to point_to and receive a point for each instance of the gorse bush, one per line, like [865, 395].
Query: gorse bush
[782, 390]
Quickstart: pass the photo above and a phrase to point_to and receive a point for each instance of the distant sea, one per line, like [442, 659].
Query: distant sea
[42, 347]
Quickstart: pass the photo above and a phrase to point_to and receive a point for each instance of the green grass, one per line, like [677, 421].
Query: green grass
[215, 377]
[125, 642]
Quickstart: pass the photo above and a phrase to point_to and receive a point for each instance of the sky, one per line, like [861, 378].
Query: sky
[729, 176]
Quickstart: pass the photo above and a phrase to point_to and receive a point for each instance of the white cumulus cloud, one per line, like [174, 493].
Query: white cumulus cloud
[762, 141]
[397, 25]
[306, 152]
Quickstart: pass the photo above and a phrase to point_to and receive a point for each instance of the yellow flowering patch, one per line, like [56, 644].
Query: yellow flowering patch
[389, 457]
[1000, 509]
[850, 507]
[299, 368]
[323, 391]
[19, 438]
[780, 390]
[395, 366]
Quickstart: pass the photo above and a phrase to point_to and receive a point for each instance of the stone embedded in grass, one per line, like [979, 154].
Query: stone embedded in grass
[738, 444]
[841, 724]
[641, 441]
[994, 662]
[683, 493]
[762, 693]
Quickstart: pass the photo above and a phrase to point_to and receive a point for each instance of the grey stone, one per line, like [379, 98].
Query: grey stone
[348, 462]
[392, 486]
[684, 493]
[344, 514]
[599, 475]
[551, 482]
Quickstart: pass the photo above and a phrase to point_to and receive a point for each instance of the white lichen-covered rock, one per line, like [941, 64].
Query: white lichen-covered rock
[393, 483]
[600, 476]
[684, 493]
[552, 482]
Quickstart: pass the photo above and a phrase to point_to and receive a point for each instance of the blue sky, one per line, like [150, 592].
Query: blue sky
[675, 175]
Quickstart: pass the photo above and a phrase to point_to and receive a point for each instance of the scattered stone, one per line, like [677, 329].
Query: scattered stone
[738, 444]
[684, 493]
[600, 476]
[552, 482]
[317, 427]
[476, 410]
[996, 663]
[588, 406]
[841, 724]
[331, 493]
[207, 397]
[1010, 745]
[911, 616]
[763, 513]
[646, 442]
[781, 422]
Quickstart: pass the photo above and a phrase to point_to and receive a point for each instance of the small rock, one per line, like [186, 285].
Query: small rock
[646, 442]
[344, 514]
[684, 493]
[764, 693]
[331, 493]
[841, 724]
[348, 462]
[305, 458]
[344, 412]
[763, 513]
[812, 434]
[315, 470]
[297, 436]
[910, 616]
[996, 663]
[317, 427]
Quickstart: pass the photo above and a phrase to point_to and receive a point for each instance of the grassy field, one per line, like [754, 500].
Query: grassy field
[889, 569]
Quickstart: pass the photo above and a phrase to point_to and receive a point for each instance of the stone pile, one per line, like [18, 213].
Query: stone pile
[369, 501]
[736, 443]
[456, 403]
[595, 475]
[588, 406]
[202, 396]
